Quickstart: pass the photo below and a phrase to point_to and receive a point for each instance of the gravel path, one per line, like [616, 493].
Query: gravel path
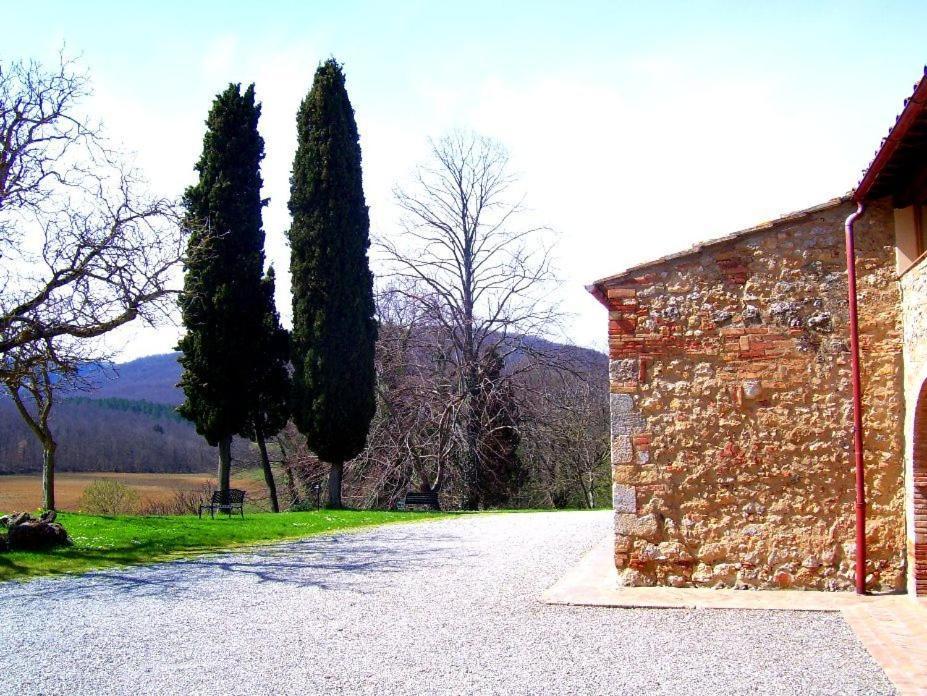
[433, 607]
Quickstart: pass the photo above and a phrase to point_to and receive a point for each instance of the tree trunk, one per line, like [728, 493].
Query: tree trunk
[268, 473]
[289, 477]
[471, 475]
[471, 464]
[334, 485]
[295, 498]
[225, 465]
[48, 475]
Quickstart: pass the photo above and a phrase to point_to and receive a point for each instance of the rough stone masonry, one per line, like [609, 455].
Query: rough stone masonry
[914, 300]
[730, 409]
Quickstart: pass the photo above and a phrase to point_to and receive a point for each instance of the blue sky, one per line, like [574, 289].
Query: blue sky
[636, 128]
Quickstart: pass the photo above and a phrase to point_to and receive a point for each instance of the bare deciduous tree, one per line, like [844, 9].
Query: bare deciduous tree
[412, 435]
[303, 472]
[552, 408]
[33, 375]
[476, 268]
[565, 438]
[83, 249]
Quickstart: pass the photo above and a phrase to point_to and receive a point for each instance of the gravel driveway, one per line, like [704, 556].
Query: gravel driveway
[432, 607]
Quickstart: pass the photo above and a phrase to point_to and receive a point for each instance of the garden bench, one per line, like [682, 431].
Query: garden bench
[424, 499]
[234, 502]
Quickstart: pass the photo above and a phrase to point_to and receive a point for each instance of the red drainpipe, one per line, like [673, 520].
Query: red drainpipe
[857, 404]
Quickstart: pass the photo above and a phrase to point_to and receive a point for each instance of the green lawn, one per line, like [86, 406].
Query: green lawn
[101, 542]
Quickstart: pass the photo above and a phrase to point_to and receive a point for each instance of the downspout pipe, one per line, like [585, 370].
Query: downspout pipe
[857, 402]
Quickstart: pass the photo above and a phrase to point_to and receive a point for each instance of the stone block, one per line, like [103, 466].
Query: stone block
[629, 577]
[643, 527]
[821, 321]
[620, 293]
[751, 315]
[702, 574]
[674, 552]
[622, 452]
[625, 420]
[624, 473]
[725, 572]
[713, 552]
[624, 498]
[624, 523]
[752, 388]
[651, 552]
[621, 403]
[624, 370]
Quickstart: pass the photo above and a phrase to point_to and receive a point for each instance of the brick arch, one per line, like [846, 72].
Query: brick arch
[920, 492]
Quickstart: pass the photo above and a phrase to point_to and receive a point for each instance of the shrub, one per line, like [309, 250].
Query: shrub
[183, 501]
[303, 506]
[109, 497]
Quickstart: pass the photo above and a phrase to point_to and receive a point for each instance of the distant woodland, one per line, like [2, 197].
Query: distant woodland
[107, 435]
[128, 423]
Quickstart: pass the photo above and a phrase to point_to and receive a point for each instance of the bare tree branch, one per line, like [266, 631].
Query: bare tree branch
[479, 274]
[84, 249]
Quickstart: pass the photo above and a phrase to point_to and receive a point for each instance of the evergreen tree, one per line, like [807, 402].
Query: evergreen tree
[334, 331]
[271, 382]
[222, 300]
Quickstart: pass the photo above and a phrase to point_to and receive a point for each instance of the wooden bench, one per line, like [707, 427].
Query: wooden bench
[419, 499]
[233, 502]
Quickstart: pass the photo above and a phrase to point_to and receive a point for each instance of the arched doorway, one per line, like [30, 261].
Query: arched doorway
[920, 492]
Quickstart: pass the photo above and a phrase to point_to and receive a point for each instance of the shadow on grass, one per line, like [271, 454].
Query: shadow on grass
[106, 542]
[352, 562]
[15, 566]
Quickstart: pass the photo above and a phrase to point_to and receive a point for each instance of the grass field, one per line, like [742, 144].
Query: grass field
[101, 542]
[24, 491]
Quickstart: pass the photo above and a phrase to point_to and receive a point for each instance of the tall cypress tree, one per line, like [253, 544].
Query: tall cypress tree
[222, 301]
[271, 389]
[334, 331]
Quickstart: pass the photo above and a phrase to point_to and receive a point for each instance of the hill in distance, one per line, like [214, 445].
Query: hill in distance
[128, 423]
[153, 378]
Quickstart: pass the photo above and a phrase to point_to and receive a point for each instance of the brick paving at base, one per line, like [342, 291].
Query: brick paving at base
[893, 628]
[894, 631]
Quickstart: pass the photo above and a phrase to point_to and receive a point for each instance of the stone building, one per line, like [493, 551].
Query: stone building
[732, 407]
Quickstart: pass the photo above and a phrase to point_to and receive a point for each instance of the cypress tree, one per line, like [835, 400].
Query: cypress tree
[271, 382]
[222, 297]
[334, 331]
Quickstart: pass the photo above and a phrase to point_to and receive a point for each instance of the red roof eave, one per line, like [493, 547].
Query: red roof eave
[598, 293]
[913, 108]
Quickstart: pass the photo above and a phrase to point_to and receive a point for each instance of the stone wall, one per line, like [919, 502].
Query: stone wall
[914, 309]
[730, 409]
